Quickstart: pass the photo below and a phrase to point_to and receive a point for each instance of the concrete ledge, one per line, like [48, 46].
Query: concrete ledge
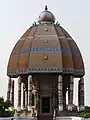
[57, 118]
[70, 118]
[17, 118]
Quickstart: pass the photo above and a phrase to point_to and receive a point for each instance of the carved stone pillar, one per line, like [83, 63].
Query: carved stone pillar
[9, 89]
[70, 94]
[53, 97]
[64, 97]
[29, 93]
[19, 94]
[26, 104]
[23, 96]
[60, 93]
[12, 93]
[81, 95]
[35, 98]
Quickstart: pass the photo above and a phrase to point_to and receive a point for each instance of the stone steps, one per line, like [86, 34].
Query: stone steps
[45, 117]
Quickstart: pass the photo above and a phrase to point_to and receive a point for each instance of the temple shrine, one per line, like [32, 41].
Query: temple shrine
[46, 60]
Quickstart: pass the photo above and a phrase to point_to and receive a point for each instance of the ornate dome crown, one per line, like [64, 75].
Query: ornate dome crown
[46, 16]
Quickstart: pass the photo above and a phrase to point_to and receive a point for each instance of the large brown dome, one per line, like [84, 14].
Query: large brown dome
[45, 48]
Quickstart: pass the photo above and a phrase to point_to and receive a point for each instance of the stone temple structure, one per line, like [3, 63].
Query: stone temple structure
[46, 60]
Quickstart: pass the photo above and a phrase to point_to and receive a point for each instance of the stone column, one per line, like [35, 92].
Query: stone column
[70, 94]
[60, 93]
[64, 96]
[29, 93]
[81, 95]
[19, 94]
[34, 94]
[9, 89]
[12, 93]
[53, 97]
[26, 96]
[35, 98]
[23, 96]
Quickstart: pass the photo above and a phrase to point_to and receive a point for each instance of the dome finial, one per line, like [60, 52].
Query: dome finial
[46, 7]
[46, 16]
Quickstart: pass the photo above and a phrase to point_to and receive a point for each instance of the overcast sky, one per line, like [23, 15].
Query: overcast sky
[16, 16]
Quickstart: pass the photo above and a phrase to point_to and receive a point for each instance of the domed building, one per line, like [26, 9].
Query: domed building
[46, 60]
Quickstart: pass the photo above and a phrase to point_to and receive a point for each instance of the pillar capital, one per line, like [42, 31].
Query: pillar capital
[71, 79]
[19, 79]
[60, 78]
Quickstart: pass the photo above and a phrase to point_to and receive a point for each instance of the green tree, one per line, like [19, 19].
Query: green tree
[4, 108]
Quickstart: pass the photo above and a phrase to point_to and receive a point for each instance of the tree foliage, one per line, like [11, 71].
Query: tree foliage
[86, 113]
[4, 108]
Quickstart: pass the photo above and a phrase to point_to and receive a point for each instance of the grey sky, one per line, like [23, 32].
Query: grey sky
[16, 16]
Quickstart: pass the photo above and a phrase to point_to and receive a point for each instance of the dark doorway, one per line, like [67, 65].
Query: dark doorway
[45, 104]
